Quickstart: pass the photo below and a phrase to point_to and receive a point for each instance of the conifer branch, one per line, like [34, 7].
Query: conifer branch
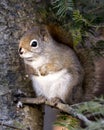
[62, 107]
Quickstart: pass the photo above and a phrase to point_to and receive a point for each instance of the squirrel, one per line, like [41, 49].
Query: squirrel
[54, 68]
[50, 49]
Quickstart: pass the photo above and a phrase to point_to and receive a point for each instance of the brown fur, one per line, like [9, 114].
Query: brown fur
[60, 57]
[99, 65]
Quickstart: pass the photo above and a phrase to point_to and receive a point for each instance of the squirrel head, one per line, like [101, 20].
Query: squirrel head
[34, 42]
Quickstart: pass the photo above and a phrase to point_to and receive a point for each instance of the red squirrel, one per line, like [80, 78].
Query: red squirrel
[54, 68]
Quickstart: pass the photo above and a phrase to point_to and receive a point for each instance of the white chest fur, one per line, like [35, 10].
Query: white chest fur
[52, 85]
[35, 63]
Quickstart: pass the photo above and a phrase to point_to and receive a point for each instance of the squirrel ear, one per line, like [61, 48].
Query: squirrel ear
[44, 33]
[45, 38]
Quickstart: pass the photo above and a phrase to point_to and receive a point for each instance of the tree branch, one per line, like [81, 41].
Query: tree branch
[62, 107]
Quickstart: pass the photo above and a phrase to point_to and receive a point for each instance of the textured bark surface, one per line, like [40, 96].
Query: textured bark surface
[16, 17]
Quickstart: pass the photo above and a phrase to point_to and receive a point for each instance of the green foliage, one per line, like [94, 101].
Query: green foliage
[76, 34]
[92, 110]
[98, 125]
[91, 107]
[79, 27]
[62, 7]
[98, 47]
[67, 121]
[81, 17]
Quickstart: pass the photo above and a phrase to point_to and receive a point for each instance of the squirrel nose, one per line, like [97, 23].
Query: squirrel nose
[20, 51]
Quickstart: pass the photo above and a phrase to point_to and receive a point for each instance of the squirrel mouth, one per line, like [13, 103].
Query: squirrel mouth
[29, 59]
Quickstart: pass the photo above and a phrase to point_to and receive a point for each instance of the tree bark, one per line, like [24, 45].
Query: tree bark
[16, 17]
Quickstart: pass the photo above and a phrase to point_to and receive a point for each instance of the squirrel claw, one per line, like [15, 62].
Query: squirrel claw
[55, 101]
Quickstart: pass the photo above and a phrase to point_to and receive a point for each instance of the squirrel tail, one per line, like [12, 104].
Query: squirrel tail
[99, 67]
[60, 34]
[93, 68]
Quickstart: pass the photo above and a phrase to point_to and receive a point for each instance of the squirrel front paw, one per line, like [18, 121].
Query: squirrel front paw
[49, 68]
[54, 101]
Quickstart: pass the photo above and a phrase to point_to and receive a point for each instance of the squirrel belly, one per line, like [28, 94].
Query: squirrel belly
[53, 85]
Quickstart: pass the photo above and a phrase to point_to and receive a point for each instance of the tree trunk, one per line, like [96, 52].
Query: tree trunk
[16, 17]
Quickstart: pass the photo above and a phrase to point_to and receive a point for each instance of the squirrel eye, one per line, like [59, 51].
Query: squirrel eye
[34, 43]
